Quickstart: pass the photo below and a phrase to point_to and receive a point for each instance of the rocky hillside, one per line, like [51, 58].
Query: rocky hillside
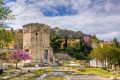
[63, 56]
[62, 32]
[71, 34]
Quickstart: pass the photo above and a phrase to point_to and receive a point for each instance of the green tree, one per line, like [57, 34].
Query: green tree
[1, 2]
[55, 41]
[81, 44]
[20, 45]
[76, 49]
[115, 43]
[96, 41]
[5, 38]
[77, 55]
[65, 44]
[4, 14]
[108, 54]
[84, 48]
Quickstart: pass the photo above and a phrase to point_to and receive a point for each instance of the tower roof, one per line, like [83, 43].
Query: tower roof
[37, 24]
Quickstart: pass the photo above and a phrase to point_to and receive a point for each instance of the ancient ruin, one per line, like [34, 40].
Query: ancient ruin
[36, 41]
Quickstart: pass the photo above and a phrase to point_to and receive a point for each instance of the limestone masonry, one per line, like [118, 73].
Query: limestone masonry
[36, 41]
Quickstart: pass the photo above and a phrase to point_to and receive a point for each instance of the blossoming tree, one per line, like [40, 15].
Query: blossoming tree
[18, 56]
[87, 39]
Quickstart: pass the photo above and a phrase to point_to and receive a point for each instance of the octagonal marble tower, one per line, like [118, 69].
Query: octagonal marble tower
[36, 41]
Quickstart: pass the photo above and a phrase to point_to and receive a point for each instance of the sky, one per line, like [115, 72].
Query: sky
[99, 17]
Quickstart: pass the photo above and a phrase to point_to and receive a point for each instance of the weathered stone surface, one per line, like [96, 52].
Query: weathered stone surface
[86, 77]
[36, 41]
[6, 77]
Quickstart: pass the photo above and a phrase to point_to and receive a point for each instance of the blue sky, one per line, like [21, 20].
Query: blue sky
[100, 17]
[7, 1]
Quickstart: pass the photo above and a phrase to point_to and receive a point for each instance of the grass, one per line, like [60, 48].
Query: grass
[55, 77]
[31, 78]
[97, 71]
[94, 71]
[12, 69]
[3, 75]
[38, 72]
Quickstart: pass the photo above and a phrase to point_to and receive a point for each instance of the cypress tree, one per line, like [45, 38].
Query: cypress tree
[81, 44]
[115, 43]
[65, 45]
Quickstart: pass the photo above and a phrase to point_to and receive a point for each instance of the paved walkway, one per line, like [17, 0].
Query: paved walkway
[85, 77]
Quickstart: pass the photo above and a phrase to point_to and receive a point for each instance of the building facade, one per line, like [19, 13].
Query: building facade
[70, 42]
[36, 41]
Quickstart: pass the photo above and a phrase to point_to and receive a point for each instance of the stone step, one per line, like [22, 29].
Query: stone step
[42, 77]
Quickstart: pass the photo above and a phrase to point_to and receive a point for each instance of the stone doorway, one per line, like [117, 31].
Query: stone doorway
[46, 56]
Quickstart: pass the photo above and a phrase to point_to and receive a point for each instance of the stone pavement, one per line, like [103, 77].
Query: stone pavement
[85, 77]
[25, 69]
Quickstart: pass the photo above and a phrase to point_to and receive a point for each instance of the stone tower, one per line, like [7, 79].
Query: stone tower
[36, 41]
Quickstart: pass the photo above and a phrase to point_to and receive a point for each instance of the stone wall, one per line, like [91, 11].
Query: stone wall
[96, 63]
[36, 41]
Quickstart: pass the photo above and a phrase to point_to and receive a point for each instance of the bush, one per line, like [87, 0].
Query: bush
[3, 55]
[77, 55]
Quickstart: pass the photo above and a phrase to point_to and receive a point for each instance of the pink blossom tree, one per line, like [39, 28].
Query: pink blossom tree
[18, 55]
[87, 39]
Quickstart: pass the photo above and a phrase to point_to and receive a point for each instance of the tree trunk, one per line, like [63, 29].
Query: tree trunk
[8, 49]
[2, 47]
[113, 67]
[16, 64]
[96, 63]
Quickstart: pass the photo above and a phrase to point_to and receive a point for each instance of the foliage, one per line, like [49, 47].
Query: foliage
[77, 48]
[80, 44]
[96, 41]
[3, 55]
[81, 49]
[87, 39]
[18, 55]
[106, 53]
[55, 41]
[18, 39]
[20, 45]
[4, 14]
[65, 44]
[1, 2]
[5, 38]
[115, 43]
[78, 55]
[3, 75]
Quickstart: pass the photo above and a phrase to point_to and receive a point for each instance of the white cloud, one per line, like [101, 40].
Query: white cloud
[91, 20]
[109, 36]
